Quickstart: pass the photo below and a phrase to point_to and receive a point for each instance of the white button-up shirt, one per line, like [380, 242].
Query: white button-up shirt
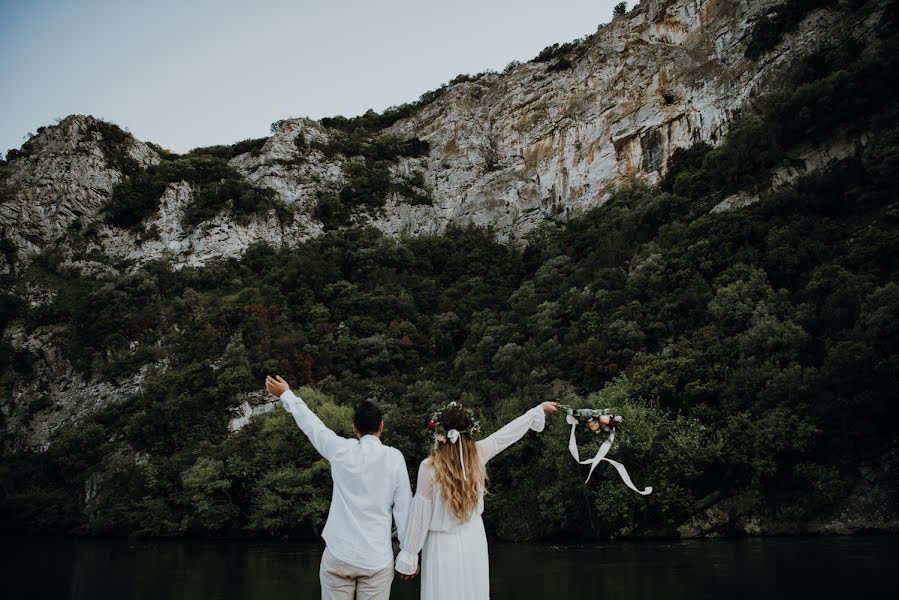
[371, 488]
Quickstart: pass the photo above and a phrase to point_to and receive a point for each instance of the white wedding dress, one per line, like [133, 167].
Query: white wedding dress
[454, 554]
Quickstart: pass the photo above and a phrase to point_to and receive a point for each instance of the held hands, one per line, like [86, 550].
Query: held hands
[550, 407]
[276, 386]
[412, 576]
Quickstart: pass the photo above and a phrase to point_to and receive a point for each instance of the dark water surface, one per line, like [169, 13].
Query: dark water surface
[761, 569]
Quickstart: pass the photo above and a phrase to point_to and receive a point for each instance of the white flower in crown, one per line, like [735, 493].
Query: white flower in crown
[436, 426]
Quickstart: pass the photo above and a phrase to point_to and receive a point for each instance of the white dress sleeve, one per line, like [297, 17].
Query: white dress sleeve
[534, 419]
[419, 521]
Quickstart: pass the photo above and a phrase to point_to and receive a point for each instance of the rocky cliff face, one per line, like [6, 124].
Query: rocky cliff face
[542, 140]
[510, 150]
[63, 179]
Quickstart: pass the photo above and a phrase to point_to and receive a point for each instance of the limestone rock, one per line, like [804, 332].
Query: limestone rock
[65, 178]
[56, 393]
[262, 403]
[165, 236]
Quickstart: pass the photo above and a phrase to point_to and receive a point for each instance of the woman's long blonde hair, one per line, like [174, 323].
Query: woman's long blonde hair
[461, 494]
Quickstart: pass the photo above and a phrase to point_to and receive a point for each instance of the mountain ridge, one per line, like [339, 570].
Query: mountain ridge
[544, 140]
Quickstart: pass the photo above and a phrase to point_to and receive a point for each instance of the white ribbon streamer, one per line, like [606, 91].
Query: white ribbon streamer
[601, 456]
[453, 436]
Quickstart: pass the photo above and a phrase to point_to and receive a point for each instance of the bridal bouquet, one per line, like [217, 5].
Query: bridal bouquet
[594, 419]
[597, 421]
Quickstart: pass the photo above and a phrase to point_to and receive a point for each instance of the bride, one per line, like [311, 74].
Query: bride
[445, 518]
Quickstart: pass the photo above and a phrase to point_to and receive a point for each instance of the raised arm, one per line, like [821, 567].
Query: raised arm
[325, 441]
[419, 522]
[512, 432]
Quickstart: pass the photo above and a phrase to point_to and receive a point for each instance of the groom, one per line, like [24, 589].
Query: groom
[371, 484]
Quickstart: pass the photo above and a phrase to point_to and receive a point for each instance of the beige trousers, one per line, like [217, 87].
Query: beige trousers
[343, 581]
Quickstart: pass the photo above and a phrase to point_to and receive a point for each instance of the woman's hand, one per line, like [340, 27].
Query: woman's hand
[550, 407]
[276, 386]
[413, 576]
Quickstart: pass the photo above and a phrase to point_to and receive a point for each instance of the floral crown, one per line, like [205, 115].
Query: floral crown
[437, 426]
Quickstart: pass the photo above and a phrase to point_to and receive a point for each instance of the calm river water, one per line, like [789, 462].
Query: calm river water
[760, 569]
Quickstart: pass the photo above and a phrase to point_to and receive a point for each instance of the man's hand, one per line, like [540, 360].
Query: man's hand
[276, 386]
[413, 576]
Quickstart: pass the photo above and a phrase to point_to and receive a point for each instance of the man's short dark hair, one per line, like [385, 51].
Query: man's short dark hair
[367, 418]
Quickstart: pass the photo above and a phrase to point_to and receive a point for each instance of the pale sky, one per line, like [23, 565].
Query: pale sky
[189, 73]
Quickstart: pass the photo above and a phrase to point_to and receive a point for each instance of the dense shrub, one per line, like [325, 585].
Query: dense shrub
[370, 121]
[770, 29]
[253, 146]
[367, 173]
[367, 183]
[216, 185]
[561, 52]
[115, 143]
[373, 122]
[331, 211]
[360, 142]
[563, 64]
[27, 149]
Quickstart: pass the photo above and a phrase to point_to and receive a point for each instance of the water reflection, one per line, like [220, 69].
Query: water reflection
[772, 569]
